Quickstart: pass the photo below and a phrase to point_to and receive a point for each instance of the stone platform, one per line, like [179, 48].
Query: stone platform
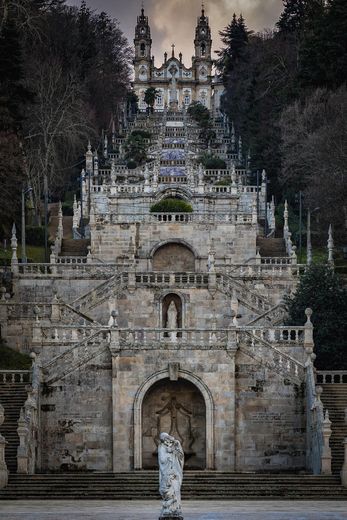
[192, 510]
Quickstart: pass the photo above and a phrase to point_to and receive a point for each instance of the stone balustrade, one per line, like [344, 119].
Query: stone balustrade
[26, 310]
[203, 218]
[15, 376]
[71, 260]
[278, 334]
[68, 334]
[331, 376]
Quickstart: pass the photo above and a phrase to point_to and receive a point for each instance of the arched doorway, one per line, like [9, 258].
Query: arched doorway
[178, 408]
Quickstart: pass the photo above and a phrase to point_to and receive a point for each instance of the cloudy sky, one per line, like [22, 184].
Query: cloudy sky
[174, 21]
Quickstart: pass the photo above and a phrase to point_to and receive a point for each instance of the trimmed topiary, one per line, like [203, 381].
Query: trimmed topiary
[171, 206]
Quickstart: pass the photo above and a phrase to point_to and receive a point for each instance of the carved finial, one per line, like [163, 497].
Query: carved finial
[89, 147]
[173, 50]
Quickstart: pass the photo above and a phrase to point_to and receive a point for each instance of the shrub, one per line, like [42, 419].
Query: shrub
[141, 133]
[171, 206]
[131, 165]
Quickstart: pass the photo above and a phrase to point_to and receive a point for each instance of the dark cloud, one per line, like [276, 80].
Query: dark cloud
[174, 21]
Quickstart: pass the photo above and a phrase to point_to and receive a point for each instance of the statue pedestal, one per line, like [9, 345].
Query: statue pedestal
[171, 518]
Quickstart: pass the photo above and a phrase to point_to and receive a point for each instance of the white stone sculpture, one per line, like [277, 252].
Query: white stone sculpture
[172, 316]
[171, 460]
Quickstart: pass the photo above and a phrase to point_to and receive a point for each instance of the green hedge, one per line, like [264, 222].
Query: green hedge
[171, 206]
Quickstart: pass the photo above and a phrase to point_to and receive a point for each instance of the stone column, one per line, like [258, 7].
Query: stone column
[3, 442]
[344, 467]
[326, 453]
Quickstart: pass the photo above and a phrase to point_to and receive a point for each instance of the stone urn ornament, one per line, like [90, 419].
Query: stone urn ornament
[171, 461]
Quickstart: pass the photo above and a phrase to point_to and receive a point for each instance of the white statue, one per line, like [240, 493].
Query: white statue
[172, 316]
[171, 460]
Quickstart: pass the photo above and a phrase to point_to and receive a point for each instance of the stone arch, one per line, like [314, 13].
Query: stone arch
[159, 301]
[138, 402]
[173, 255]
[179, 193]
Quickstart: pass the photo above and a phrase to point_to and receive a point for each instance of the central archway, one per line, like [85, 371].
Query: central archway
[178, 408]
[173, 256]
[200, 451]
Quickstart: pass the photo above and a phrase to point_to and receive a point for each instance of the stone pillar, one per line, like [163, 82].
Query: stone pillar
[22, 451]
[344, 467]
[3, 442]
[308, 332]
[326, 453]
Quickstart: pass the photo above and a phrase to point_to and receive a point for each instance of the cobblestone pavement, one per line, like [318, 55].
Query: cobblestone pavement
[192, 510]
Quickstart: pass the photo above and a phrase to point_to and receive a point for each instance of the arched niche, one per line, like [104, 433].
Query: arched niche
[165, 304]
[209, 416]
[178, 408]
[173, 256]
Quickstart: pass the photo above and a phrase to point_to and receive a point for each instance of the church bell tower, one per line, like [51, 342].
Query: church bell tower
[202, 60]
[143, 45]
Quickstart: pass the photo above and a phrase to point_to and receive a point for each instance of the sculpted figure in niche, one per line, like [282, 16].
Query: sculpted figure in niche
[171, 460]
[172, 322]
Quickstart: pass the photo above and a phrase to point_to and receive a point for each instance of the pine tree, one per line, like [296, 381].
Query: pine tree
[235, 38]
[293, 17]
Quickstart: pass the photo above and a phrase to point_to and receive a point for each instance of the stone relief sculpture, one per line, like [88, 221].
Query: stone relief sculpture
[179, 415]
[171, 461]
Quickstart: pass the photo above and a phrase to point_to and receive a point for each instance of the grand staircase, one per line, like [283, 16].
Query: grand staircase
[12, 398]
[271, 247]
[334, 399]
[71, 247]
[196, 485]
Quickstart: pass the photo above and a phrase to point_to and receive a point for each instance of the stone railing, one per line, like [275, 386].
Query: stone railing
[185, 218]
[15, 376]
[331, 377]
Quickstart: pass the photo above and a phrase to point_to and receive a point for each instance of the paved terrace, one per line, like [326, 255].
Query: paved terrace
[192, 510]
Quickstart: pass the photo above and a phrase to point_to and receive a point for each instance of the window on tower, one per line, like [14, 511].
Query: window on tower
[143, 49]
[203, 49]
[186, 97]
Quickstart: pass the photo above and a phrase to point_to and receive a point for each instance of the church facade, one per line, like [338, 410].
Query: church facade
[173, 80]
[151, 320]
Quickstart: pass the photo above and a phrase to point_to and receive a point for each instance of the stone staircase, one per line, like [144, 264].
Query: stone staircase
[196, 485]
[271, 247]
[334, 399]
[12, 398]
[71, 247]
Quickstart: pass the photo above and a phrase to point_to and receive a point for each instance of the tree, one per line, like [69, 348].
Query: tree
[57, 127]
[201, 115]
[314, 155]
[136, 147]
[150, 96]
[235, 39]
[321, 290]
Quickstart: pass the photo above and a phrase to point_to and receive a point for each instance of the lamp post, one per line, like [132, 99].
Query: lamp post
[25, 191]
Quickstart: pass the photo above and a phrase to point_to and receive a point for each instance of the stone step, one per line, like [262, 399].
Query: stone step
[140, 485]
